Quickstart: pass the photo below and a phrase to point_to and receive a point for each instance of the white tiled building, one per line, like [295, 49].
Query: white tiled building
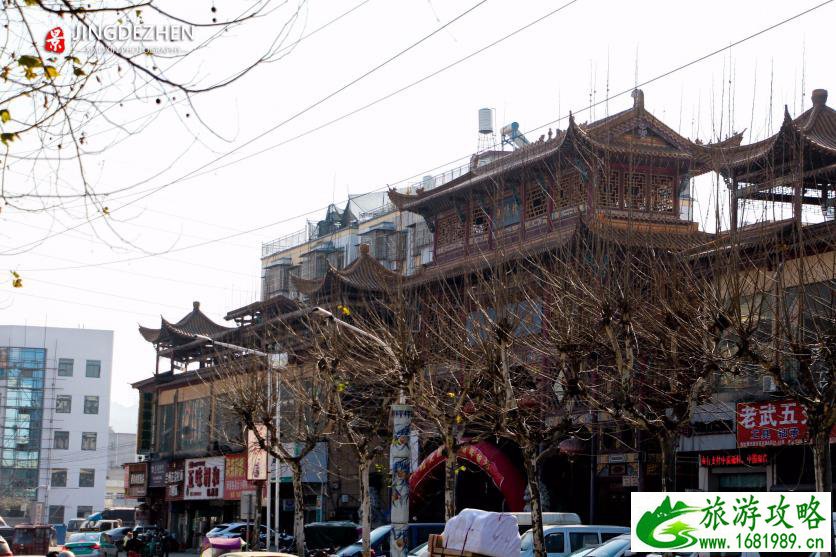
[63, 377]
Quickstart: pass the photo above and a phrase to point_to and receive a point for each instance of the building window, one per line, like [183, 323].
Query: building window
[535, 202]
[449, 230]
[480, 221]
[63, 404]
[635, 191]
[662, 188]
[56, 514]
[87, 477]
[91, 404]
[88, 441]
[94, 368]
[510, 211]
[569, 189]
[61, 440]
[193, 417]
[58, 478]
[83, 511]
[421, 237]
[608, 194]
[165, 441]
[65, 367]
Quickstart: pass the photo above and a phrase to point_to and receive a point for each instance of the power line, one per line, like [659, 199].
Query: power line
[292, 117]
[585, 108]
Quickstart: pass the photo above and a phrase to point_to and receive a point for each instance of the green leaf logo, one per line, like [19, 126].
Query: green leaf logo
[676, 535]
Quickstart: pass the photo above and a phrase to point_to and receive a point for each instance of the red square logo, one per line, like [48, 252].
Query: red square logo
[54, 40]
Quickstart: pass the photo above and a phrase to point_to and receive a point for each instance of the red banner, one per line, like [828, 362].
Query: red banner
[235, 478]
[772, 423]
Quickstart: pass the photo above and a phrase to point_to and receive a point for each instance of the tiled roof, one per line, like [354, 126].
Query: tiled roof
[364, 273]
[193, 323]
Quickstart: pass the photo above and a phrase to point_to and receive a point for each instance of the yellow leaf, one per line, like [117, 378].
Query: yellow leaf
[106, 210]
[31, 2]
[5, 138]
[30, 61]
[51, 71]
[5, 116]
[17, 282]
[451, 394]
[78, 72]
[458, 419]
[29, 73]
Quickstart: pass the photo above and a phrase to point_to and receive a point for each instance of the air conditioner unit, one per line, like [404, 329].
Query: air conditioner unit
[140, 458]
[769, 385]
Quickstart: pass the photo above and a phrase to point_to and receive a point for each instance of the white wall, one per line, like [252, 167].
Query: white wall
[79, 345]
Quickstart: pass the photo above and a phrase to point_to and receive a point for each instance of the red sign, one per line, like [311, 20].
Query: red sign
[734, 459]
[235, 477]
[54, 41]
[773, 423]
[136, 479]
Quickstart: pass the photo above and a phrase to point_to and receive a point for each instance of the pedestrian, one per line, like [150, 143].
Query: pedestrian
[52, 554]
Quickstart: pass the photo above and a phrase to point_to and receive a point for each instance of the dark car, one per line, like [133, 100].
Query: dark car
[118, 537]
[5, 550]
[415, 536]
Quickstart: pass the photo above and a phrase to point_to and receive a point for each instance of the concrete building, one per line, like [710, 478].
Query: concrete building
[121, 449]
[54, 413]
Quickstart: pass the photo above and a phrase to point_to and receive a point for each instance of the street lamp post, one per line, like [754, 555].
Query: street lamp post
[400, 457]
[274, 361]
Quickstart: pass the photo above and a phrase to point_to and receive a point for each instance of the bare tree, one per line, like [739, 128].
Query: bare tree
[287, 420]
[71, 72]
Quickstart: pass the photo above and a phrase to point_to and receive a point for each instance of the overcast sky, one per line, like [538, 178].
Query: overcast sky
[534, 77]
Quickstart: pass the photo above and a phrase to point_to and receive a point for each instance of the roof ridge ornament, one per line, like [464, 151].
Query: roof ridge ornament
[819, 97]
[638, 98]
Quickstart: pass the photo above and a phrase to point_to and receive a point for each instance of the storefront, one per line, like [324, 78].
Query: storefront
[768, 451]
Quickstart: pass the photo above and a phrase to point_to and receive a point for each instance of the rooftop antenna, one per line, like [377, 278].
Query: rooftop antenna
[487, 136]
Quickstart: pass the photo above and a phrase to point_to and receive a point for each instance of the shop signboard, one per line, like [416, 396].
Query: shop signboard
[136, 479]
[772, 423]
[709, 460]
[156, 473]
[204, 478]
[235, 477]
[175, 480]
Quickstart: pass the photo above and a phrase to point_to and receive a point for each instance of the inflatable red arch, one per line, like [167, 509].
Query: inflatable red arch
[489, 458]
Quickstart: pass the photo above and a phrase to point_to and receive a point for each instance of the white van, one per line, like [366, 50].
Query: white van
[549, 519]
[563, 540]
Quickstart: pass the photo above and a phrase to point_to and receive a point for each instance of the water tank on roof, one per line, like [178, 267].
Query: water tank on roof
[486, 120]
[427, 182]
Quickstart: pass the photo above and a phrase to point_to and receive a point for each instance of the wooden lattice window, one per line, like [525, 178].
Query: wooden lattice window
[662, 190]
[479, 221]
[608, 192]
[449, 230]
[568, 189]
[535, 202]
[635, 191]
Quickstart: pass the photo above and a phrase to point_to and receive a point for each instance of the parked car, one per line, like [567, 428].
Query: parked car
[33, 539]
[100, 525]
[417, 534]
[420, 551]
[238, 530]
[563, 540]
[118, 537]
[5, 550]
[91, 544]
[7, 532]
[75, 524]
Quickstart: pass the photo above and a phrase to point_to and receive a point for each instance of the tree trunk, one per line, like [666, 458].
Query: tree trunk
[253, 538]
[365, 504]
[821, 461]
[530, 459]
[450, 481]
[298, 508]
[667, 467]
